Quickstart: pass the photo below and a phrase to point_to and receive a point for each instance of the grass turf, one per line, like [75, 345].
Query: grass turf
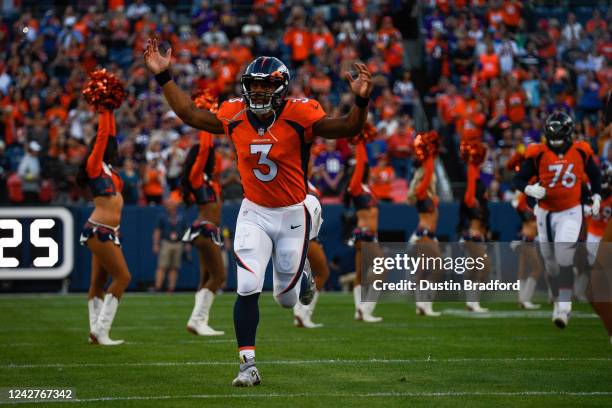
[506, 360]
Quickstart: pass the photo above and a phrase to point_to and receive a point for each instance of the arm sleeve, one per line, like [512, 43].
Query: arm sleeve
[421, 189]
[522, 177]
[594, 174]
[94, 162]
[361, 157]
[473, 172]
[195, 176]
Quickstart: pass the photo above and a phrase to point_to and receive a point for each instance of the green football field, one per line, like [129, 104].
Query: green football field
[506, 358]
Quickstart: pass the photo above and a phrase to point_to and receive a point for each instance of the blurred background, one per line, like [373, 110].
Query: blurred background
[493, 69]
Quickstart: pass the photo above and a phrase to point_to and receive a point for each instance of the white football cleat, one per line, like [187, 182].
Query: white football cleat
[561, 314]
[475, 307]
[426, 309]
[200, 328]
[247, 377]
[100, 331]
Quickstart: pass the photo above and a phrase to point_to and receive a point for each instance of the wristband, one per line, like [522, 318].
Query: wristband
[163, 77]
[361, 102]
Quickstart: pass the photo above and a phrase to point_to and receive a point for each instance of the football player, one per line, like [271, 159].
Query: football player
[272, 136]
[422, 193]
[559, 166]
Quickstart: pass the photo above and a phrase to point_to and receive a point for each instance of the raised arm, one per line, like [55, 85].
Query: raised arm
[351, 124]
[178, 100]
[105, 129]
[196, 178]
[361, 158]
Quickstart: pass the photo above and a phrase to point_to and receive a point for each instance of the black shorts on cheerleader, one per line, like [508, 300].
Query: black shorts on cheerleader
[101, 231]
[364, 201]
[205, 229]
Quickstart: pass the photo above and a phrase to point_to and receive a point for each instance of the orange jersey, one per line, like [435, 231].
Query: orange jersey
[597, 224]
[561, 175]
[272, 162]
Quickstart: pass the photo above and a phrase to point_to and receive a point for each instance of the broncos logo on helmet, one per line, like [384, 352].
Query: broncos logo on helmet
[269, 70]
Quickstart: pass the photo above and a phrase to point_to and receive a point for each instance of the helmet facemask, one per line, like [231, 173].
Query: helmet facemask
[262, 103]
[558, 131]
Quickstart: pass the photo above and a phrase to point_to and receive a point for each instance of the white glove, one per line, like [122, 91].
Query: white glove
[536, 191]
[596, 198]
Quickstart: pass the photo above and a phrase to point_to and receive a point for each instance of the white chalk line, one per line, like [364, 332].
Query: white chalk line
[311, 362]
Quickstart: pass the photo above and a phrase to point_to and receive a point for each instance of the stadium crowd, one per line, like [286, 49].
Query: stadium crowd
[491, 69]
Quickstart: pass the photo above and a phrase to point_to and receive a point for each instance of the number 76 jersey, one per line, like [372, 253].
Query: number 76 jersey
[273, 154]
[562, 175]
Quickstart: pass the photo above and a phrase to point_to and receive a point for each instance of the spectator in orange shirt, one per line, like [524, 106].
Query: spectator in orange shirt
[322, 39]
[381, 179]
[386, 32]
[596, 23]
[489, 64]
[298, 39]
[393, 54]
[153, 186]
[320, 84]
[239, 53]
[516, 105]
[511, 14]
[226, 72]
[399, 146]
[451, 106]
[495, 16]
[471, 126]
[387, 104]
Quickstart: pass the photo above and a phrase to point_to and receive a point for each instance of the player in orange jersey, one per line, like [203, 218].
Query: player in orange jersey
[198, 185]
[422, 193]
[559, 165]
[272, 136]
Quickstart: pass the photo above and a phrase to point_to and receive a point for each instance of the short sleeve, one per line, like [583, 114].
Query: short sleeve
[229, 111]
[312, 113]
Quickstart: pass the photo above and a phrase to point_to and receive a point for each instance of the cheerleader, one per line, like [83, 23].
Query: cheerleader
[365, 204]
[474, 217]
[529, 257]
[302, 314]
[422, 193]
[198, 185]
[101, 232]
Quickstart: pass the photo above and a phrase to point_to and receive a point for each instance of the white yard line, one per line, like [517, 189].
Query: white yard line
[309, 362]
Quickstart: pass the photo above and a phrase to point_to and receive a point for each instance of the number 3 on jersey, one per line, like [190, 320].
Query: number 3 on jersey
[263, 150]
[568, 180]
